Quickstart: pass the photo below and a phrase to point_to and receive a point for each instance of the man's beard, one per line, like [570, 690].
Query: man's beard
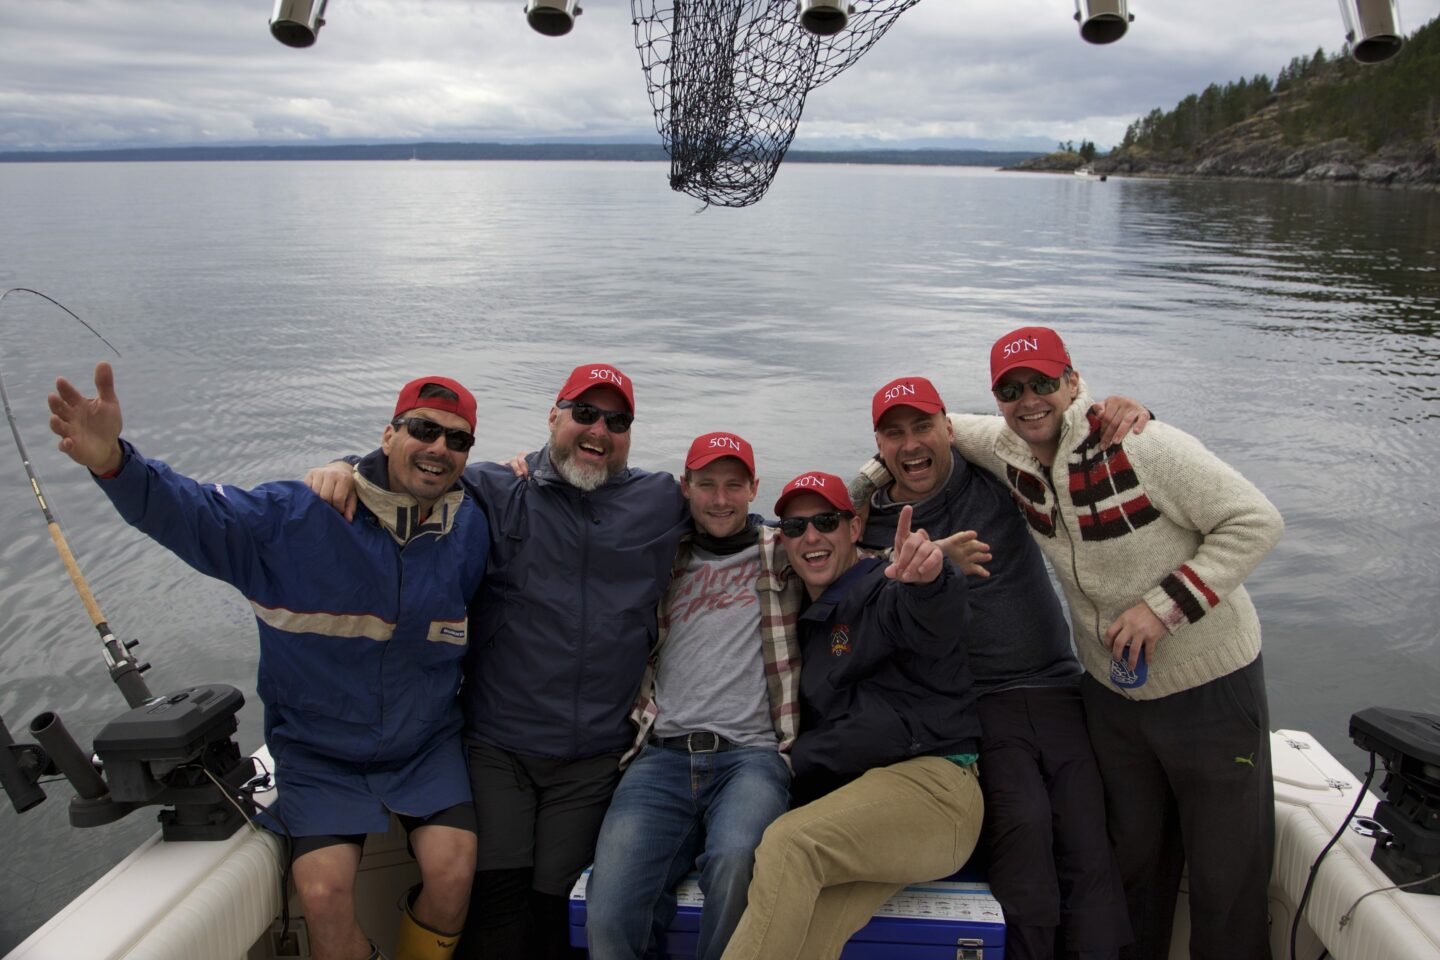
[582, 476]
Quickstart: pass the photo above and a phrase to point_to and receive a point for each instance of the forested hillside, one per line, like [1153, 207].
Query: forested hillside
[1323, 117]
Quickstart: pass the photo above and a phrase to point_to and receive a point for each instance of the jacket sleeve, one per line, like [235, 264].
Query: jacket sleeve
[975, 436]
[1195, 489]
[216, 529]
[926, 617]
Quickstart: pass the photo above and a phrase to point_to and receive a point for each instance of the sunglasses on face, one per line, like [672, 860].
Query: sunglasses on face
[794, 527]
[426, 431]
[585, 414]
[1015, 389]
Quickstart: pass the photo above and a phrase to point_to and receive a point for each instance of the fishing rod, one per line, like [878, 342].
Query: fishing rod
[124, 669]
[171, 751]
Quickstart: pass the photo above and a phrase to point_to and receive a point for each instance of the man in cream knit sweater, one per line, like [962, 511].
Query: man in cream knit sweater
[1151, 539]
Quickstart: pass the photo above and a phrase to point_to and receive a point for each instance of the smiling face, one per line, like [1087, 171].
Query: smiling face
[916, 449]
[423, 470]
[588, 455]
[820, 558]
[720, 494]
[1037, 419]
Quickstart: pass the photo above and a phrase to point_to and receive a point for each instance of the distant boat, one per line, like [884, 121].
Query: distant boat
[1085, 171]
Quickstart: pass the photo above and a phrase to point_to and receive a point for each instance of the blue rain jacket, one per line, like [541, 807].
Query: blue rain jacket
[362, 640]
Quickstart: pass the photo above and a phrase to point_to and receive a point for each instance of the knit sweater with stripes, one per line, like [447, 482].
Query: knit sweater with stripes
[1156, 517]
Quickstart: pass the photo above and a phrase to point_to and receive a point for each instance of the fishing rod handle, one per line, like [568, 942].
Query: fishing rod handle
[76, 577]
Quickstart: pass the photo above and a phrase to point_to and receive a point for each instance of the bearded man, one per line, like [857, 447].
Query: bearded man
[581, 550]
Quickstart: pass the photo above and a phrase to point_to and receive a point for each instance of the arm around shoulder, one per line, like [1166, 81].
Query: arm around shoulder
[975, 439]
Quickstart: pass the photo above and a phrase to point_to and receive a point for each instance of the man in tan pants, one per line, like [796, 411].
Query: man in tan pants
[885, 761]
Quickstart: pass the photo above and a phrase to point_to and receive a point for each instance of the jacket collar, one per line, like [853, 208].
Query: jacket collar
[399, 513]
[955, 484]
[823, 605]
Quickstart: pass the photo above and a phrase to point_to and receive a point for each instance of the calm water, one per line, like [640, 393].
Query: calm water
[267, 313]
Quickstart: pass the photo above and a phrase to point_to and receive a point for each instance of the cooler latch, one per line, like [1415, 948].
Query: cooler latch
[969, 949]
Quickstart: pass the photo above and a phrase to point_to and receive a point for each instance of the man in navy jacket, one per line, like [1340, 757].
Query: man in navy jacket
[362, 637]
[884, 763]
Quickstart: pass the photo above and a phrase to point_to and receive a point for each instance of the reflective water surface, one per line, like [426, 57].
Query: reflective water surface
[268, 312]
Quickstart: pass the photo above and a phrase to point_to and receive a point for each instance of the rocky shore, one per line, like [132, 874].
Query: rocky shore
[1337, 161]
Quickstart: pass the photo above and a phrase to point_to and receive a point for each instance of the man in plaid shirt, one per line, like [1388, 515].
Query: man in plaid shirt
[715, 718]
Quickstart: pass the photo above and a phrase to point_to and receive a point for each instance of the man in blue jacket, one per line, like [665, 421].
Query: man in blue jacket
[362, 636]
[581, 549]
[884, 763]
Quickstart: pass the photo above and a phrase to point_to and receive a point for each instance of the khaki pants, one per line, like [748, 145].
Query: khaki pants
[823, 869]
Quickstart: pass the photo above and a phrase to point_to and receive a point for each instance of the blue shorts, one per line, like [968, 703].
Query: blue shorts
[318, 794]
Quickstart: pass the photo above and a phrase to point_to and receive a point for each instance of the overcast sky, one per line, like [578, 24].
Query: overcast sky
[78, 74]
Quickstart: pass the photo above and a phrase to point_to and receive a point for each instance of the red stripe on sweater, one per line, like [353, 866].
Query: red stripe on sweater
[1133, 507]
[1205, 591]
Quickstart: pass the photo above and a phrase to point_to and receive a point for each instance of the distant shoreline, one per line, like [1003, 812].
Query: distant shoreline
[638, 152]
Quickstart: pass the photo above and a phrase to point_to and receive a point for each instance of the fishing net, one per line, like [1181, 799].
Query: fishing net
[728, 81]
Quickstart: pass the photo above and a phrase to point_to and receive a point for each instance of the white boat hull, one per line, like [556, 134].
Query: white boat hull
[218, 900]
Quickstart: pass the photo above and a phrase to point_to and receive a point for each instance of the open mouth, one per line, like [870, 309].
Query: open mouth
[916, 465]
[591, 449]
[815, 559]
[430, 468]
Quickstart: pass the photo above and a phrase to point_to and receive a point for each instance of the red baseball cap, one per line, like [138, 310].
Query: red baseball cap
[589, 375]
[1038, 348]
[712, 446]
[410, 399]
[914, 392]
[827, 485]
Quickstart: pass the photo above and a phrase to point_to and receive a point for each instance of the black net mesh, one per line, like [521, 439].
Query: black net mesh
[728, 81]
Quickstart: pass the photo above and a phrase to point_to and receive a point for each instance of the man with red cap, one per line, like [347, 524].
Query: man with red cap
[884, 763]
[1048, 859]
[1151, 538]
[362, 638]
[580, 554]
[715, 718]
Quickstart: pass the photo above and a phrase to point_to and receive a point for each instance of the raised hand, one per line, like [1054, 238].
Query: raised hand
[915, 558]
[88, 427]
[967, 552]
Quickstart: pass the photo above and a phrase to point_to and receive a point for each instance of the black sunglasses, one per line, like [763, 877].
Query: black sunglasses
[794, 527]
[427, 430]
[1015, 389]
[585, 414]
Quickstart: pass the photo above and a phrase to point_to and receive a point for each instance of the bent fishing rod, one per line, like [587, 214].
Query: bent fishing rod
[125, 671]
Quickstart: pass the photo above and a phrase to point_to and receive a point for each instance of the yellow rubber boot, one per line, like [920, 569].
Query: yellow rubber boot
[415, 941]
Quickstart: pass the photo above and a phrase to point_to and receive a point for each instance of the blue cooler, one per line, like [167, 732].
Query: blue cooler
[939, 920]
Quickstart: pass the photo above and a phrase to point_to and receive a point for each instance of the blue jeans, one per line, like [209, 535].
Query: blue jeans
[674, 810]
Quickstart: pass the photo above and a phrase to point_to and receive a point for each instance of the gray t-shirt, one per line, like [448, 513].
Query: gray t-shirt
[711, 674]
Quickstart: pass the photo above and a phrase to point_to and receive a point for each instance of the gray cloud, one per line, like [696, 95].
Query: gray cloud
[91, 73]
